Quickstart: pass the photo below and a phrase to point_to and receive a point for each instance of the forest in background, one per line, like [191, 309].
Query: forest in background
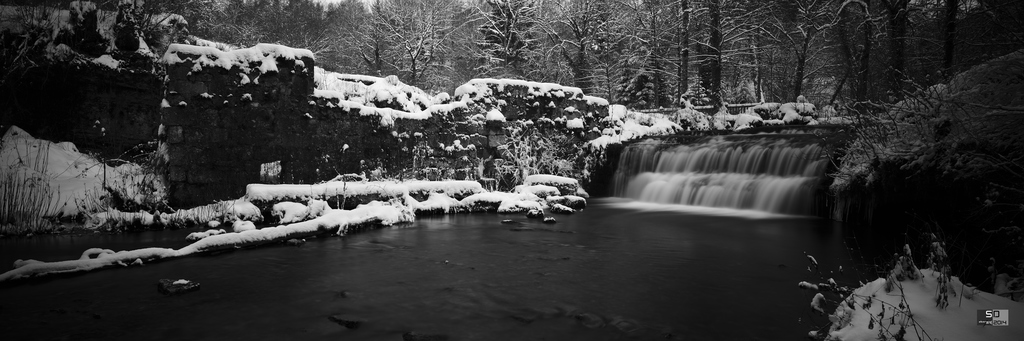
[641, 53]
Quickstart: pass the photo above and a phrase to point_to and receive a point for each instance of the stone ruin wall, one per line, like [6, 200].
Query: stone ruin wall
[219, 130]
[218, 133]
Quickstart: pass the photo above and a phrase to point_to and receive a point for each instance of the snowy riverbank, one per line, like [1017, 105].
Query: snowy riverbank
[312, 217]
[907, 310]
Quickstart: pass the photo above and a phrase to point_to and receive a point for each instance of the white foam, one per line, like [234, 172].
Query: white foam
[701, 210]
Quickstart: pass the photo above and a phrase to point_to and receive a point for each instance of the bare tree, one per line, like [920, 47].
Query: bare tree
[804, 35]
[575, 26]
[897, 12]
[949, 41]
[510, 32]
[419, 33]
[375, 44]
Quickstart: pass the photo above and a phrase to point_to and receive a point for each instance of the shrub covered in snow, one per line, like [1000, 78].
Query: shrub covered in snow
[964, 134]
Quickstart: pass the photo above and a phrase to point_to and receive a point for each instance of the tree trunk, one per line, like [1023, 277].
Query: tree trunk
[801, 64]
[580, 71]
[683, 51]
[897, 37]
[414, 78]
[656, 47]
[949, 43]
[711, 75]
[758, 77]
[864, 72]
[846, 48]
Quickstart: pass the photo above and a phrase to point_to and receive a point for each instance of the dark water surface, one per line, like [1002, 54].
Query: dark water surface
[625, 274]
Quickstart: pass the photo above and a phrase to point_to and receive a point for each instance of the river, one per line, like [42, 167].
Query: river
[625, 273]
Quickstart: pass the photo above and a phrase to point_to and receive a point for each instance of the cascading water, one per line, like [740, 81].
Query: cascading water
[762, 173]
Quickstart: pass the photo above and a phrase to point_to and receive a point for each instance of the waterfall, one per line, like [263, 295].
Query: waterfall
[753, 172]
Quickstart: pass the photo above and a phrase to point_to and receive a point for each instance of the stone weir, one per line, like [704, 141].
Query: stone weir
[782, 172]
[252, 115]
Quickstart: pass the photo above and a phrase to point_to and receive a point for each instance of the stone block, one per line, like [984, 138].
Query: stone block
[177, 174]
[494, 141]
[175, 134]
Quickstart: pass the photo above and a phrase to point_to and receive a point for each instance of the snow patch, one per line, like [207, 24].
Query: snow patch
[495, 115]
[242, 226]
[290, 212]
[108, 61]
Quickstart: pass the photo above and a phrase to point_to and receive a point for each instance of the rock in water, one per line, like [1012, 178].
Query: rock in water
[549, 220]
[590, 320]
[524, 319]
[295, 242]
[508, 221]
[176, 287]
[347, 321]
[535, 213]
[414, 336]
[562, 209]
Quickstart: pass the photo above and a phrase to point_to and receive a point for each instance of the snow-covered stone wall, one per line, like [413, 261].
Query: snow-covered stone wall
[541, 103]
[227, 115]
[264, 73]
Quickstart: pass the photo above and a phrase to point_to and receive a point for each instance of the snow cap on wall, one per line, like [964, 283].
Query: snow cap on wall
[262, 56]
[481, 88]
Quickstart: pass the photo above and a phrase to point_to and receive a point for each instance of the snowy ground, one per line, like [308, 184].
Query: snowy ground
[74, 180]
[877, 312]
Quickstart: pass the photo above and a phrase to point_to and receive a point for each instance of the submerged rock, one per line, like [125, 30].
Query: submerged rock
[295, 242]
[176, 287]
[625, 325]
[524, 318]
[348, 321]
[535, 213]
[414, 336]
[590, 320]
[508, 221]
[549, 220]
